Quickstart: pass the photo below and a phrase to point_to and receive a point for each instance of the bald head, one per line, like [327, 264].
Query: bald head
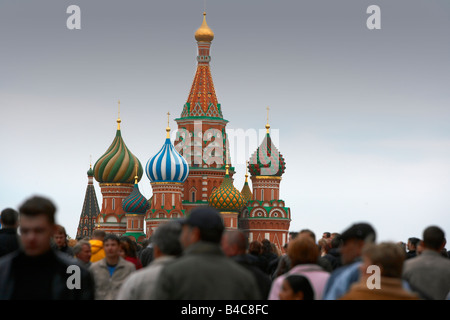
[234, 242]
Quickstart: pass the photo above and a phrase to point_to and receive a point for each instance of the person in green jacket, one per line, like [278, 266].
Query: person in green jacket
[204, 272]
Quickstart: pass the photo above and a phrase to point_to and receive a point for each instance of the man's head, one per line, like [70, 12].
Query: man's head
[202, 224]
[326, 235]
[434, 238]
[82, 250]
[111, 245]
[353, 240]
[234, 243]
[166, 239]
[9, 218]
[412, 243]
[388, 256]
[98, 234]
[37, 225]
[60, 236]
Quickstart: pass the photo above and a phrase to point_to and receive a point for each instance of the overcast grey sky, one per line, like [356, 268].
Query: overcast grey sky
[362, 115]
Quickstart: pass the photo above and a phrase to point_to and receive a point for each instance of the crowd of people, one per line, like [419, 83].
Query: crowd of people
[195, 258]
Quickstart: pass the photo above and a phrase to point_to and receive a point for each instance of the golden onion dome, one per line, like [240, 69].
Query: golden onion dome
[204, 33]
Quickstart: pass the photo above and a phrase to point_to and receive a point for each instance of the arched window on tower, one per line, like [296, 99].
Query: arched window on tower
[193, 196]
[163, 198]
[262, 194]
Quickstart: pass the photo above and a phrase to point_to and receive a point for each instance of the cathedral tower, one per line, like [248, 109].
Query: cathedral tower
[201, 137]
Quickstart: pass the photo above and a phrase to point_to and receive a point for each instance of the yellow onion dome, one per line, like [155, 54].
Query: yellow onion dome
[204, 33]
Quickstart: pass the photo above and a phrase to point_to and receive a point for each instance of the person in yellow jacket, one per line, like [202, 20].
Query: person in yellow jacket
[98, 253]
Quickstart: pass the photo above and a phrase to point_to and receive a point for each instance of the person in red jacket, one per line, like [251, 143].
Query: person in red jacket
[128, 251]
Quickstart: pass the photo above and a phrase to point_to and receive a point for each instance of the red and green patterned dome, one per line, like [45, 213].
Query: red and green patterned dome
[118, 164]
[227, 197]
[267, 160]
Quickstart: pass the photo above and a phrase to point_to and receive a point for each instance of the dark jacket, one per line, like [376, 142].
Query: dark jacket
[262, 279]
[203, 272]
[16, 268]
[334, 257]
[9, 241]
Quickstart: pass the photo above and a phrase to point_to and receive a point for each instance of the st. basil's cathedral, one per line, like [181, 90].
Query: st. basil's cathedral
[193, 171]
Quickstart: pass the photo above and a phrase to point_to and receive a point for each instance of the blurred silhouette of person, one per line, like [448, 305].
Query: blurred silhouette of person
[334, 255]
[9, 239]
[37, 271]
[303, 253]
[389, 257]
[82, 251]
[61, 241]
[112, 271]
[128, 251]
[412, 247]
[353, 241]
[429, 273]
[296, 287]
[166, 248]
[234, 245]
[98, 253]
[203, 272]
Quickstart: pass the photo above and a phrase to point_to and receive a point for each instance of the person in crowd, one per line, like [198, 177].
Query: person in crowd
[267, 255]
[255, 250]
[303, 253]
[353, 241]
[37, 271]
[283, 263]
[110, 272]
[9, 239]
[146, 254]
[402, 245]
[203, 272]
[334, 255]
[296, 287]
[82, 251]
[128, 251]
[429, 273]
[389, 258]
[166, 248]
[98, 253]
[234, 245]
[323, 246]
[412, 247]
[321, 261]
[61, 241]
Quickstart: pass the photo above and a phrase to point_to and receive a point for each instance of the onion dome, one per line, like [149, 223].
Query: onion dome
[117, 164]
[204, 33]
[227, 197]
[246, 192]
[267, 160]
[167, 165]
[90, 172]
[135, 203]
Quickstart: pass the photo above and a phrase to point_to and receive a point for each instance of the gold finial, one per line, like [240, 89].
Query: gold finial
[90, 161]
[118, 119]
[226, 167]
[136, 176]
[267, 125]
[168, 127]
[246, 171]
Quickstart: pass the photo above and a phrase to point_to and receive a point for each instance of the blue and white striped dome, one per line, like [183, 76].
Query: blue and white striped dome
[167, 165]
